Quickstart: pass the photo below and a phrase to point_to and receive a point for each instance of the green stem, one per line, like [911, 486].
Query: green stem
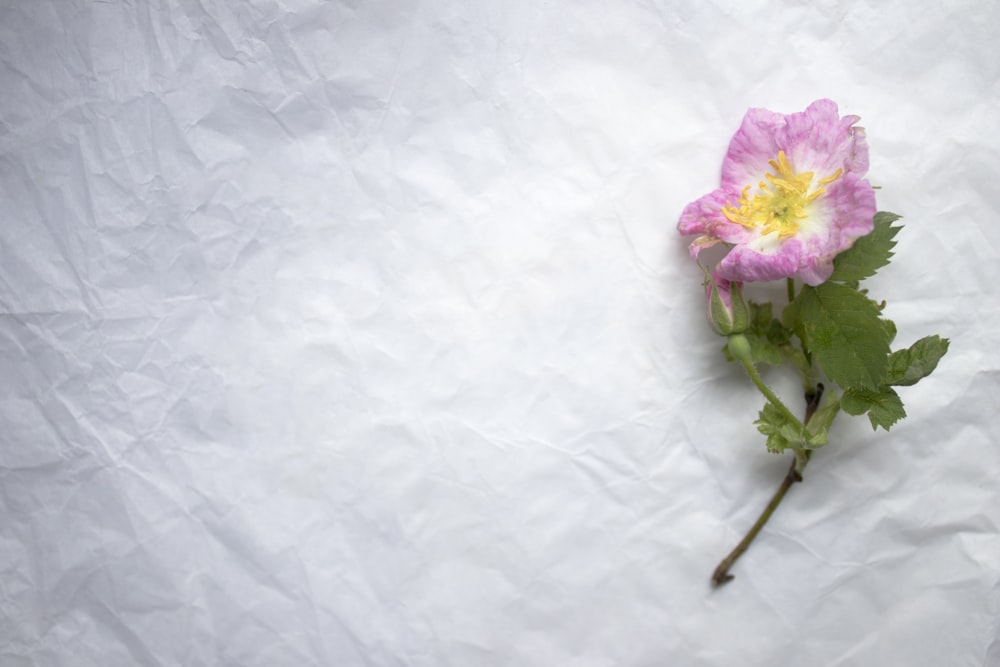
[768, 394]
[790, 286]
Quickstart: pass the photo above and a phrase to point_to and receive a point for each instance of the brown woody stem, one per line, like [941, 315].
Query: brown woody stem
[794, 474]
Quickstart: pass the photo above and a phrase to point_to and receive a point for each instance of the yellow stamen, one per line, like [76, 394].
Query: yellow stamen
[780, 203]
[831, 179]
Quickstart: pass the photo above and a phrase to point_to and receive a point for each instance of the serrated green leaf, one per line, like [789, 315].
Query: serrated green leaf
[764, 352]
[852, 404]
[773, 423]
[842, 329]
[869, 253]
[884, 407]
[765, 322]
[890, 328]
[799, 361]
[909, 366]
[783, 433]
[766, 334]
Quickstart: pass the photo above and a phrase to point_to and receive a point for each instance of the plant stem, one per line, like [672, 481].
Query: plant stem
[721, 574]
[794, 474]
[790, 287]
[768, 394]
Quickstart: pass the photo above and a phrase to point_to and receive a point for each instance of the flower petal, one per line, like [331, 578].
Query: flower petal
[816, 140]
[746, 161]
[819, 140]
[852, 202]
[704, 216]
[743, 264]
[703, 213]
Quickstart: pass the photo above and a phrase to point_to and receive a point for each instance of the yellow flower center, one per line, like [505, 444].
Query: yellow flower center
[781, 203]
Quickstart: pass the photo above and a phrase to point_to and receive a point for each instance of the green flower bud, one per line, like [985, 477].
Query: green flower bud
[727, 311]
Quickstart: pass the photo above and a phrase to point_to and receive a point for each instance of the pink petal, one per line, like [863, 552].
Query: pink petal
[819, 140]
[745, 265]
[704, 216]
[852, 201]
[816, 140]
[751, 147]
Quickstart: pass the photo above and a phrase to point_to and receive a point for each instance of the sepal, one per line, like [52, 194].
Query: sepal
[727, 311]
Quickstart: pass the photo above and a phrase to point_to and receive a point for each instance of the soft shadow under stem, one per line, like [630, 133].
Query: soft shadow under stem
[721, 574]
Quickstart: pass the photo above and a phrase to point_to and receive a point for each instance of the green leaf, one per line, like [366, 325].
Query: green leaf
[765, 322]
[821, 420]
[869, 253]
[791, 318]
[909, 366]
[799, 361]
[884, 407]
[890, 328]
[781, 433]
[842, 329]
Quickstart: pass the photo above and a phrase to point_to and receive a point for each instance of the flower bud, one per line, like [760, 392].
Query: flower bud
[727, 311]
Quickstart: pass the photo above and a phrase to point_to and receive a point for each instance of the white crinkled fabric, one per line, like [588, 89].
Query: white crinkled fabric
[360, 334]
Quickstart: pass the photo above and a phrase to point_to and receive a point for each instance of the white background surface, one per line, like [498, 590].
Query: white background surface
[358, 333]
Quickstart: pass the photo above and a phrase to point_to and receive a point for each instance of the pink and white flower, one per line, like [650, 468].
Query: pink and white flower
[793, 196]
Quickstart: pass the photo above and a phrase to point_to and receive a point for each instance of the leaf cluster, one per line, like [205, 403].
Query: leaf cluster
[783, 432]
[843, 330]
